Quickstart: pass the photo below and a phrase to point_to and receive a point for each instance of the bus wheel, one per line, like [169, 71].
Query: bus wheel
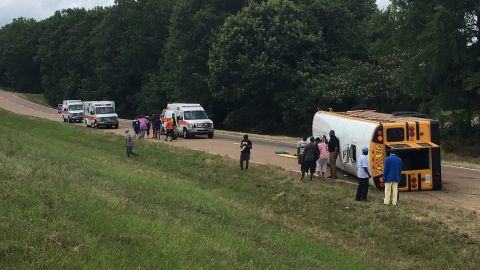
[185, 133]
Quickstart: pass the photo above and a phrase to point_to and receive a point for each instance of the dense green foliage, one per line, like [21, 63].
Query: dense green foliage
[258, 65]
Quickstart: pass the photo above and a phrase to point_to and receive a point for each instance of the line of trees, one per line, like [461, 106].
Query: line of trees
[256, 65]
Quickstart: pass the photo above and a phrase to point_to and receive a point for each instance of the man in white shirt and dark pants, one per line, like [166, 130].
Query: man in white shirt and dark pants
[363, 176]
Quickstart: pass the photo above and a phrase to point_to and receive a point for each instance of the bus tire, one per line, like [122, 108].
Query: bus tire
[185, 133]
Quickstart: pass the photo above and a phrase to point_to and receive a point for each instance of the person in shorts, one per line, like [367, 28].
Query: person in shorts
[300, 148]
[323, 157]
[309, 159]
[245, 147]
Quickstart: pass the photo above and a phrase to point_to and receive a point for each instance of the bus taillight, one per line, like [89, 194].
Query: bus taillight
[414, 182]
[411, 131]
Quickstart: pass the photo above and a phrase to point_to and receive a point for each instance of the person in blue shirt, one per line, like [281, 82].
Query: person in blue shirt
[363, 176]
[136, 127]
[392, 174]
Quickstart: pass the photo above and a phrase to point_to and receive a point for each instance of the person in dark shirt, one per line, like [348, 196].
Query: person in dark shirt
[309, 159]
[334, 149]
[245, 147]
[156, 125]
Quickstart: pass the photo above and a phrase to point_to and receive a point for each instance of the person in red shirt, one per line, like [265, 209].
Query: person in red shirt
[169, 129]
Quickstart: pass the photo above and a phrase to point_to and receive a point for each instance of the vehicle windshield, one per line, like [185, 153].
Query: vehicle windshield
[195, 115]
[75, 107]
[105, 110]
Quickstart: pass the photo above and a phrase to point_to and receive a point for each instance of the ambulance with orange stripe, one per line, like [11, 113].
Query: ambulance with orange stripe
[192, 119]
[416, 141]
[100, 114]
[71, 111]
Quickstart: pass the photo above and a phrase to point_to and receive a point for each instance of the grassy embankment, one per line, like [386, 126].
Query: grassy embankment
[69, 198]
[35, 98]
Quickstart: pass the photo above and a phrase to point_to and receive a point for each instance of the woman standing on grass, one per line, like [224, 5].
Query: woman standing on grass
[323, 160]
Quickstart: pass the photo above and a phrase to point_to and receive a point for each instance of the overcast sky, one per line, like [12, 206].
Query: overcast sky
[41, 9]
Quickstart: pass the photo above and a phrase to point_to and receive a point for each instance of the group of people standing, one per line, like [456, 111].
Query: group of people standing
[143, 124]
[314, 155]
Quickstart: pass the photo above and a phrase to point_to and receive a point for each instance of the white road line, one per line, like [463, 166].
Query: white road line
[463, 168]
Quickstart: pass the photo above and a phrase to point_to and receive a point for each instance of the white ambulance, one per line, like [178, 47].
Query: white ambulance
[192, 119]
[100, 114]
[71, 111]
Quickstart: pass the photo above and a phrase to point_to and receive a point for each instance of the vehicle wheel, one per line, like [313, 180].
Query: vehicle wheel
[185, 133]
[210, 135]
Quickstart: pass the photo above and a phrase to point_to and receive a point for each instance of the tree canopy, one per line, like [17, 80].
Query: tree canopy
[257, 65]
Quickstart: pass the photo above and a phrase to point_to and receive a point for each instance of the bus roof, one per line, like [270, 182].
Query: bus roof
[373, 116]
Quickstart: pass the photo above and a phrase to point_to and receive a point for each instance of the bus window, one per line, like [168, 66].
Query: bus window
[418, 159]
[353, 153]
[346, 154]
[395, 134]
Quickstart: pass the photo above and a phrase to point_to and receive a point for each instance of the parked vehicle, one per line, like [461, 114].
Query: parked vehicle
[192, 119]
[100, 114]
[72, 111]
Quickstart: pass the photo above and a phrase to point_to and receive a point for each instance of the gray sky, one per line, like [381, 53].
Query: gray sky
[41, 9]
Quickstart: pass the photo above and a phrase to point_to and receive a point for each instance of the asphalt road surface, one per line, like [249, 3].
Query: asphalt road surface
[461, 187]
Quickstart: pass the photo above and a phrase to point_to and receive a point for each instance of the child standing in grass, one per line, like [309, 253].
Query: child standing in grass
[129, 143]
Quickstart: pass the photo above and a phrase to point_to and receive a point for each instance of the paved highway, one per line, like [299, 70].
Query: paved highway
[461, 187]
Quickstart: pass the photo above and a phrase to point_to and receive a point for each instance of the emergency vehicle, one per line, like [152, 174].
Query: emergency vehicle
[71, 111]
[415, 140]
[100, 114]
[191, 119]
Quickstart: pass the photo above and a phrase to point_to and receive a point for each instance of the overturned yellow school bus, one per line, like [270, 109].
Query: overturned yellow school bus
[416, 141]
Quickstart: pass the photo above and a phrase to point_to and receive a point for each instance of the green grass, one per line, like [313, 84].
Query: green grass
[35, 98]
[69, 198]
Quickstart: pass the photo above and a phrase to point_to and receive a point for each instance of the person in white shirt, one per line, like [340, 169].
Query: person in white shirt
[300, 148]
[363, 176]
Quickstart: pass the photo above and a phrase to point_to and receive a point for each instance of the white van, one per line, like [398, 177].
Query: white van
[192, 119]
[100, 114]
[72, 111]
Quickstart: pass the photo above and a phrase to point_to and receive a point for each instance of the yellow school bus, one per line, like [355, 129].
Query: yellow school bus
[415, 139]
